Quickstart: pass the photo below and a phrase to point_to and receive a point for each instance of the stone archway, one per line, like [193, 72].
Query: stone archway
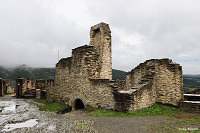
[78, 104]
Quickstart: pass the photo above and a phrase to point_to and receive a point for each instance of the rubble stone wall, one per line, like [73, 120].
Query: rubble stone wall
[77, 78]
[87, 73]
[140, 96]
[1, 87]
[6, 87]
[144, 96]
[165, 75]
[87, 76]
[10, 89]
[100, 37]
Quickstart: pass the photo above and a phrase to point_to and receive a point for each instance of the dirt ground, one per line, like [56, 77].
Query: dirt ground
[12, 119]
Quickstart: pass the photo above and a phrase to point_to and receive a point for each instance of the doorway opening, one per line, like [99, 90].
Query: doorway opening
[79, 104]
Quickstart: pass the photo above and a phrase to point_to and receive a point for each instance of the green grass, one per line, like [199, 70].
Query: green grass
[49, 106]
[155, 109]
[194, 121]
[189, 125]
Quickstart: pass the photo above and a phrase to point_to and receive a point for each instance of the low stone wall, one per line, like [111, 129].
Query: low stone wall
[101, 93]
[144, 96]
[136, 98]
[193, 106]
[38, 94]
[10, 89]
[123, 100]
[1, 87]
[192, 97]
[5, 87]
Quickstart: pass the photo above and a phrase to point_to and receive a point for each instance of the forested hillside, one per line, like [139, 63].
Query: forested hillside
[118, 74]
[27, 72]
[191, 82]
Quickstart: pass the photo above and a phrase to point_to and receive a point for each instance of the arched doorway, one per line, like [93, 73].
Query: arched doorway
[79, 104]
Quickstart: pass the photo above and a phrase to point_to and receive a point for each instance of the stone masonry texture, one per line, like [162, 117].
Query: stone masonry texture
[87, 76]
[6, 87]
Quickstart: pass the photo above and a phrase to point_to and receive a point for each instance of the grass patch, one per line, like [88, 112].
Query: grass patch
[192, 121]
[190, 125]
[49, 106]
[155, 109]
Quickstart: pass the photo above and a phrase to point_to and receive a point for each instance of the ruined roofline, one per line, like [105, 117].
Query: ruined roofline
[164, 60]
[82, 47]
[103, 27]
[64, 62]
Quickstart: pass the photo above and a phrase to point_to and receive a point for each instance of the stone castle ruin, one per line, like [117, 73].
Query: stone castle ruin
[31, 88]
[85, 78]
[6, 87]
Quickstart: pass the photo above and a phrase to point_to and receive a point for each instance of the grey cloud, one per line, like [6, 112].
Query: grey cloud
[33, 31]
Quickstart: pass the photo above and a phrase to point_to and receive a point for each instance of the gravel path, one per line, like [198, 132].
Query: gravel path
[136, 124]
[46, 122]
[75, 121]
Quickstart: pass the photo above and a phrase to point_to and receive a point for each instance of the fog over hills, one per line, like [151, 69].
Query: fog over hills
[191, 82]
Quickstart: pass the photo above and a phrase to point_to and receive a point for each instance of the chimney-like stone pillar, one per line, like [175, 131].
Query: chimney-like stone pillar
[100, 37]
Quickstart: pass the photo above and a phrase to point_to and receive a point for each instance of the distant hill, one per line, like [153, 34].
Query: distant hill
[41, 73]
[191, 82]
[27, 72]
[118, 74]
[190, 75]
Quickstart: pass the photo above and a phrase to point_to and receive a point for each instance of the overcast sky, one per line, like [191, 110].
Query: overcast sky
[32, 31]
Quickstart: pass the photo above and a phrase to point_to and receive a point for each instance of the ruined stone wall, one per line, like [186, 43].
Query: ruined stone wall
[81, 75]
[30, 83]
[169, 83]
[41, 83]
[100, 37]
[165, 75]
[1, 87]
[140, 96]
[87, 74]
[20, 87]
[144, 96]
[192, 106]
[4, 87]
[25, 87]
[10, 89]
[77, 78]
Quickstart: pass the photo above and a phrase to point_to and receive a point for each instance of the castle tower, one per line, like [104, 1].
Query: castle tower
[100, 37]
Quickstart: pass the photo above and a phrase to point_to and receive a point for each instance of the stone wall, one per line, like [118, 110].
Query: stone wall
[165, 75]
[1, 87]
[27, 87]
[137, 97]
[6, 87]
[20, 87]
[193, 106]
[86, 77]
[10, 89]
[77, 77]
[100, 37]
[87, 74]
[40, 83]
